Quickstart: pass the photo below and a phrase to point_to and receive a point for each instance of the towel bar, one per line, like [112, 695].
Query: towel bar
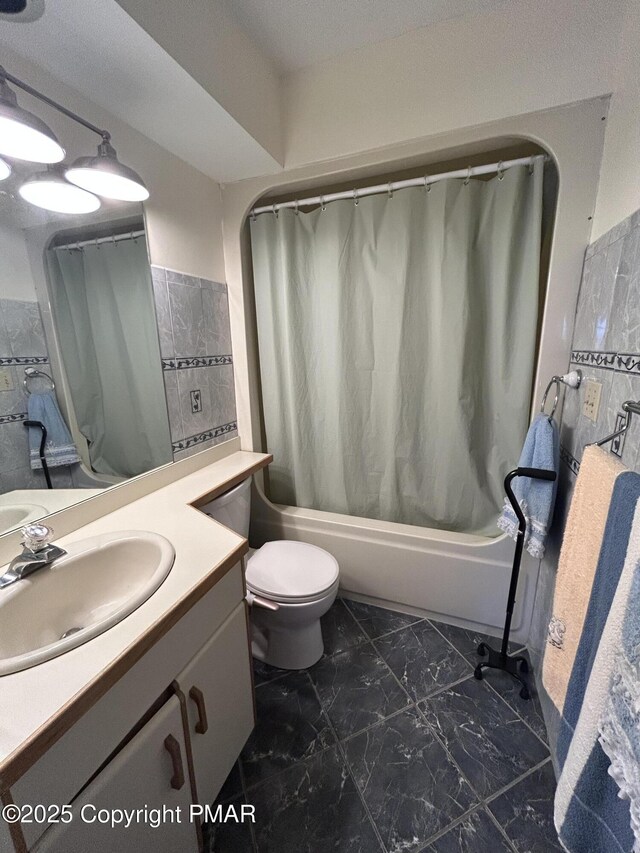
[630, 407]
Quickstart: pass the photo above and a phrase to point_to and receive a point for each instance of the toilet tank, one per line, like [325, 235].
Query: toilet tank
[232, 508]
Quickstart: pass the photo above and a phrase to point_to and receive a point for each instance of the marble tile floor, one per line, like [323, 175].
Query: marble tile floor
[389, 744]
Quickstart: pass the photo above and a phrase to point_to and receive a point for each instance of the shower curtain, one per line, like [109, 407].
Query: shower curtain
[396, 342]
[103, 310]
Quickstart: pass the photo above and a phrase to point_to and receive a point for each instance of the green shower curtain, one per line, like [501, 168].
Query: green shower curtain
[397, 342]
[103, 310]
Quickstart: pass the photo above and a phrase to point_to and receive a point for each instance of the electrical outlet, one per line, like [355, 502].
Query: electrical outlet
[591, 404]
[6, 380]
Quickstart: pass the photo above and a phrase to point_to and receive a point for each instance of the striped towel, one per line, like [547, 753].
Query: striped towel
[589, 814]
[577, 567]
[620, 721]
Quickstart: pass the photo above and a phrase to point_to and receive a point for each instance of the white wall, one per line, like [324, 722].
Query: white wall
[16, 280]
[530, 55]
[184, 218]
[619, 190]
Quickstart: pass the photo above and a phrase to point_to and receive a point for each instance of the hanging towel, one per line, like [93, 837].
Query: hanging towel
[536, 497]
[620, 721]
[59, 449]
[589, 813]
[577, 567]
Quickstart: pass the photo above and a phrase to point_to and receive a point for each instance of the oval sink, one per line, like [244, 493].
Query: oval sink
[97, 584]
[14, 515]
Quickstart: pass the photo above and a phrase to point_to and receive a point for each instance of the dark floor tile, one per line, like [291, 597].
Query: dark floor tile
[490, 743]
[422, 659]
[477, 833]
[529, 709]
[467, 641]
[232, 786]
[228, 836]
[340, 630]
[357, 689]
[262, 672]
[291, 725]
[525, 812]
[312, 807]
[377, 621]
[410, 785]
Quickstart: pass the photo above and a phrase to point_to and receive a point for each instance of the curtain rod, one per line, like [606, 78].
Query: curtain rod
[130, 235]
[389, 188]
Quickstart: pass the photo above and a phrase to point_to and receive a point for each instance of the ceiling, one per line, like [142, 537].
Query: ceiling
[96, 48]
[298, 33]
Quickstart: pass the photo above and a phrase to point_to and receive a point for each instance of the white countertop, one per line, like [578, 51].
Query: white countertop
[31, 698]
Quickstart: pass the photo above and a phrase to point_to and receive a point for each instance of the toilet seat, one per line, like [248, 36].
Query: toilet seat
[291, 572]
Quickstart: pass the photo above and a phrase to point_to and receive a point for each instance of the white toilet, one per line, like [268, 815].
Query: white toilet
[290, 585]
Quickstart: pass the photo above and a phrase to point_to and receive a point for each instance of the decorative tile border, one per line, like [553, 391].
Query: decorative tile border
[23, 359]
[570, 461]
[619, 362]
[12, 419]
[188, 362]
[192, 440]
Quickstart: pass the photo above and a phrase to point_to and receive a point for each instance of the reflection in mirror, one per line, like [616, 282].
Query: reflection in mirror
[82, 401]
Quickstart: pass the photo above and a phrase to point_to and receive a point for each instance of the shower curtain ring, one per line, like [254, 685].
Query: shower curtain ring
[500, 171]
[427, 185]
[468, 178]
[295, 207]
[355, 197]
[275, 210]
[322, 204]
[390, 191]
[253, 216]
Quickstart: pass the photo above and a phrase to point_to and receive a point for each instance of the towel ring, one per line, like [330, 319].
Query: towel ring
[32, 373]
[572, 379]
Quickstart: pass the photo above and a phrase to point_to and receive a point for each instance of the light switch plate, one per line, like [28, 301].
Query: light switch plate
[6, 380]
[591, 404]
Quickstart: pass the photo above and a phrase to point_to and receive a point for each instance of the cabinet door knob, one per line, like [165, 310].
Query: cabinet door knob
[173, 748]
[202, 725]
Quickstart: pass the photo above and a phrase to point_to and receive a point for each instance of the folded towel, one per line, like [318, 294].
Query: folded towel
[620, 720]
[589, 813]
[577, 567]
[59, 449]
[536, 497]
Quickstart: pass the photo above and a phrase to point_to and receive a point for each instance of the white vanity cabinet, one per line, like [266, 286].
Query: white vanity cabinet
[151, 772]
[219, 706]
[194, 687]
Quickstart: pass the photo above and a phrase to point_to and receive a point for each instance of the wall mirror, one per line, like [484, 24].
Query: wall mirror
[79, 355]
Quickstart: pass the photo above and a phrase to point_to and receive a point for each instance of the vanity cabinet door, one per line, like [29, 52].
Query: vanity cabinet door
[218, 689]
[150, 772]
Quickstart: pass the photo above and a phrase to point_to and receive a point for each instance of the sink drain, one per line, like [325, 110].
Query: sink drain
[70, 632]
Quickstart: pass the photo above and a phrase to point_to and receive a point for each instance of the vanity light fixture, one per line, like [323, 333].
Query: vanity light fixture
[5, 170]
[103, 174]
[22, 134]
[50, 191]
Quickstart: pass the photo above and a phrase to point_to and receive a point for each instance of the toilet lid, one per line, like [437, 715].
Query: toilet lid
[291, 570]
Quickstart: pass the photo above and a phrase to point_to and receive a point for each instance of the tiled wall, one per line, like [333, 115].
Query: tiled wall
[606, 347]
[195, 343]
[22, 343]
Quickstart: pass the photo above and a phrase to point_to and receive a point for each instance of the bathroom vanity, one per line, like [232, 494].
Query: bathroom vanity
[152, 713]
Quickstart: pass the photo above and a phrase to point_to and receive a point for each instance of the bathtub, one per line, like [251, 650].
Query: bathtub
[459, 578]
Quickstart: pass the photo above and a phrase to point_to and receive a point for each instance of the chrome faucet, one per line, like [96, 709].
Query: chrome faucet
[37, 553]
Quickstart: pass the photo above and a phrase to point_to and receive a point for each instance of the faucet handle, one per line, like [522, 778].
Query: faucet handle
[36, 536]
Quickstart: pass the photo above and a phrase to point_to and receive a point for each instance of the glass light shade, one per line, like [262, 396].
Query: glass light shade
[5, 170]
[23, 135]
[51, 192]
[105, 175]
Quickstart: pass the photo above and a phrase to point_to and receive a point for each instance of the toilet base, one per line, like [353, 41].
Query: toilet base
[284, 651]
[290, 638]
